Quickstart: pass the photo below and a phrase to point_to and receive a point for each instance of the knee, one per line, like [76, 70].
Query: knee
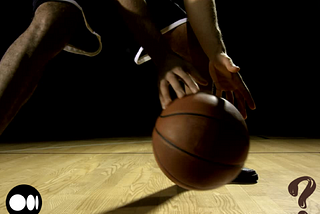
[55, 17]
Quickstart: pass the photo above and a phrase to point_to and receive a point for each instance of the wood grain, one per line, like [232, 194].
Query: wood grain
[105, 176]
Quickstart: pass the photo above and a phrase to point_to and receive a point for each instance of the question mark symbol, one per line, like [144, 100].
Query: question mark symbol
[310, 188]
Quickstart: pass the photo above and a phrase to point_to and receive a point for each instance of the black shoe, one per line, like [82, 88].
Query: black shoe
[246, 176]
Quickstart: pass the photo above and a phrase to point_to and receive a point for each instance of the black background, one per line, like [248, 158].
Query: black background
[82, 97]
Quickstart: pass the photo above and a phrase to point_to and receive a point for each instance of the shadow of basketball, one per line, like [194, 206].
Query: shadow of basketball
[149, 203]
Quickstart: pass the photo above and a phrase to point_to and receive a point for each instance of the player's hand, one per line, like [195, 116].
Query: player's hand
[227, 78]
[173, 70]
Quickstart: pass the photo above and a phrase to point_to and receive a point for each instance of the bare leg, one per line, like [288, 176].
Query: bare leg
[183, 42]
[22, 65]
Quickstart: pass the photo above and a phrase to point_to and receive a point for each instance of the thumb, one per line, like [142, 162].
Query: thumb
[228, 63]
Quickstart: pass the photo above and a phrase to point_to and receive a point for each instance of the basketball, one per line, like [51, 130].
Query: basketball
[200, 142]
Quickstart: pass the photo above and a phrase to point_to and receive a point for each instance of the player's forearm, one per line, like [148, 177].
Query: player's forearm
[137, 17]
[202, 16]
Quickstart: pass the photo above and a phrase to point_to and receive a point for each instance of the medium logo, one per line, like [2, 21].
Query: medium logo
[309, 189]
[24, 199]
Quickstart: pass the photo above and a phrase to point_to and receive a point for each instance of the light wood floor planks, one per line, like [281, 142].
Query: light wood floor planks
[105, 176]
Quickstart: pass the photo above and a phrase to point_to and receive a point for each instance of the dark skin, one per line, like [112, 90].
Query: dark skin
[54, 25]
[22, 65]
[180, 55]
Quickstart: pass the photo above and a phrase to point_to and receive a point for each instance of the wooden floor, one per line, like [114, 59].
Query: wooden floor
[105, 176]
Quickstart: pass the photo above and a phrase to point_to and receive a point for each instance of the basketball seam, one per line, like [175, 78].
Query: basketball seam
[172, 177]
[195, 156]
[194, 114]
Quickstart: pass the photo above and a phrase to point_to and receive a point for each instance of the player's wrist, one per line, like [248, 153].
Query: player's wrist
[218, 50]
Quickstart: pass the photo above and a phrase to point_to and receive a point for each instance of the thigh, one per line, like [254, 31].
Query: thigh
[166, 15]
[54, 23]
[37, 3]
[84, 40]
[165, 12]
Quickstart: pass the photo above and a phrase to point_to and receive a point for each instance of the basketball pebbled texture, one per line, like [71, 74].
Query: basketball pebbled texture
[200, 141]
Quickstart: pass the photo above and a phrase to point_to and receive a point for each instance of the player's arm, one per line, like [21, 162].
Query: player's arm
[202, 15]
[171, 67]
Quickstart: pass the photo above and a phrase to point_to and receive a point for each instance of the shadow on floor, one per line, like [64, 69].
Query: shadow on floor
[149, 203]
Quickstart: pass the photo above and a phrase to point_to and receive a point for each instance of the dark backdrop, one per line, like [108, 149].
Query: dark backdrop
[82, 97]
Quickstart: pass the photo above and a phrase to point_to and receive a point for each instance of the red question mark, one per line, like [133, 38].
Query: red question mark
[310, 188]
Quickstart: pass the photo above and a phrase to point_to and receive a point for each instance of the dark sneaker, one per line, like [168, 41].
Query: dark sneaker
[246, 176]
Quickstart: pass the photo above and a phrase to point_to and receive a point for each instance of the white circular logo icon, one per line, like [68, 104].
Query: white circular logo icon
[24, 199]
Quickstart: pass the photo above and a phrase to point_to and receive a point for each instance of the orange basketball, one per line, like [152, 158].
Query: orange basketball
[200, 142]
